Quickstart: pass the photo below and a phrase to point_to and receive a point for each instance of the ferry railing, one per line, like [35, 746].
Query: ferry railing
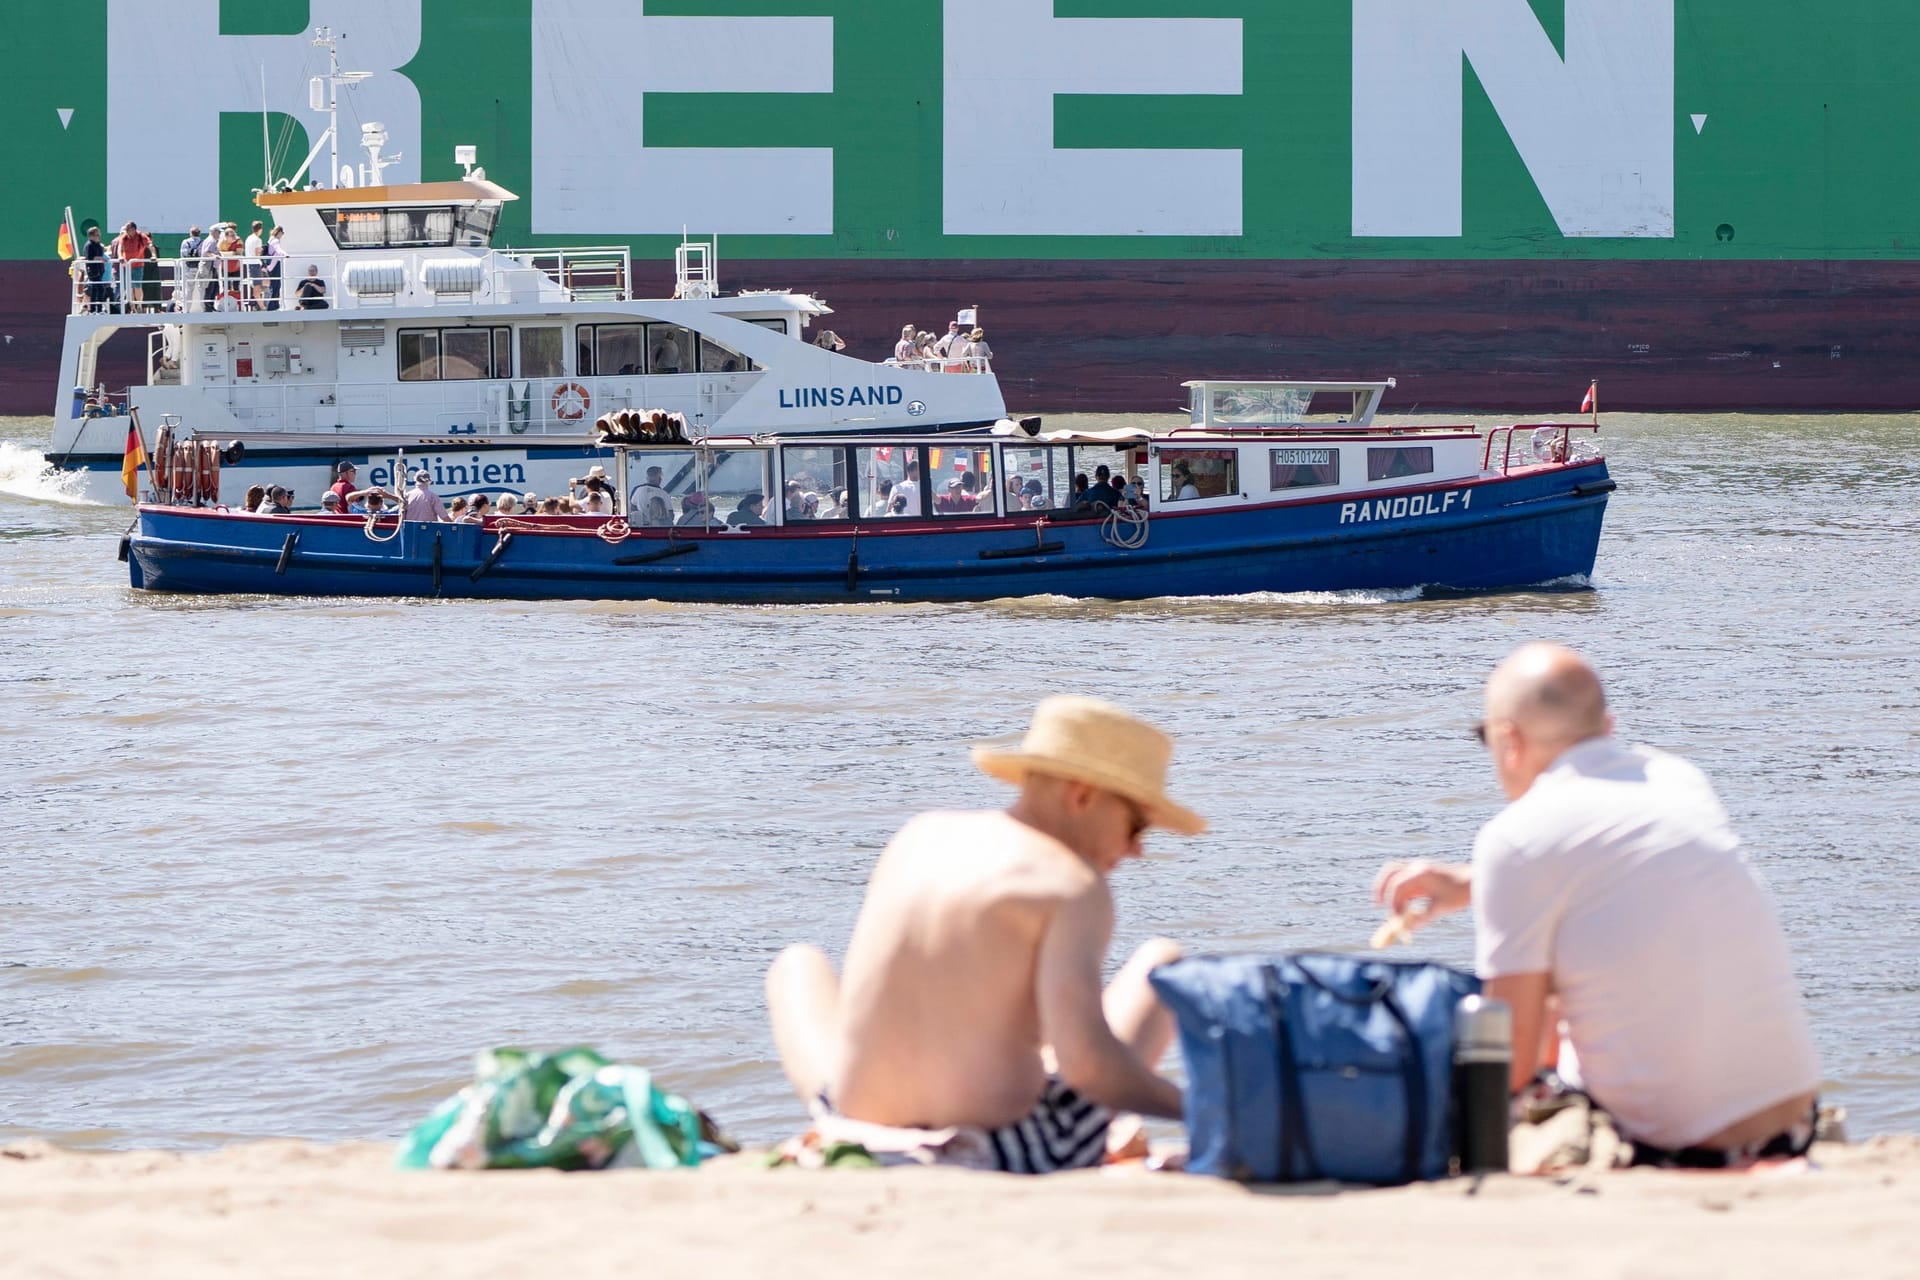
[945, 364]
[1555, 445]
[594, 273]
[249, 284]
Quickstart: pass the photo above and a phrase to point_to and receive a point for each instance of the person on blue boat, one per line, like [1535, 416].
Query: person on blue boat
[747, 513]
[421, 502]
[1611, 893]
[971, 998]
[693, 510]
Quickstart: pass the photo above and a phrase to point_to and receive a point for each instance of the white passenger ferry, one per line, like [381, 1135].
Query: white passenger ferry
[488, 366]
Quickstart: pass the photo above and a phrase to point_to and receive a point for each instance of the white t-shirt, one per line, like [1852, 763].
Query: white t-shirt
[908, 489]
[1619, 874]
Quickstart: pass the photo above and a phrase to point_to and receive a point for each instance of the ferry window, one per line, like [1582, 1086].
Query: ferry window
[453, 355]
[540, 353]
[389, 228]
[816, 483]
[1186, 474]
[715, 358]
[1042, 474]
[1401, 460]
[610, 349]
[669, 349]
[778, 326]
[473, 225]
[419, 355]
[1303, 468]
[658, 484]
[960, 480]
[889, 480]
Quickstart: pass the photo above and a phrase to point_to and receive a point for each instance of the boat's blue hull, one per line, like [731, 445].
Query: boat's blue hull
[1531, 527]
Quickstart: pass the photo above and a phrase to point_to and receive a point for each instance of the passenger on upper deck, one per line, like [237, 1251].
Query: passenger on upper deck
[977, 350]
[830, 340]
[903, 349]
[94, 255]
[312, 291]
[954, 345]
[276, 262]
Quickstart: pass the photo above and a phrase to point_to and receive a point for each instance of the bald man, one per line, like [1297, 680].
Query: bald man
[1611, 893]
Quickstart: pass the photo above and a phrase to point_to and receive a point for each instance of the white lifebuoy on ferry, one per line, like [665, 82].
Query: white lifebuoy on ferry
[571, 401]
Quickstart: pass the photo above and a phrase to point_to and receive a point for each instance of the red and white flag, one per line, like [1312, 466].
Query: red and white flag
[1593, 394]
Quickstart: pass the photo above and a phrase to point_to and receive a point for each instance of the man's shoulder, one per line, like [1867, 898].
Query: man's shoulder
[1002, 847]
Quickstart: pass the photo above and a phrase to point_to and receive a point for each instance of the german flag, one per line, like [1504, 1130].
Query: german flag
[131, 462]
[65, 246]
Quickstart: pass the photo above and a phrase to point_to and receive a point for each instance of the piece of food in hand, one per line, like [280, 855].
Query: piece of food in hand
[1395, 928]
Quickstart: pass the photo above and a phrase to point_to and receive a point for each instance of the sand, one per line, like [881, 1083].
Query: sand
[297, 1209]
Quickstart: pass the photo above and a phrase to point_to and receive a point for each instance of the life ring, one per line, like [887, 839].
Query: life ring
[161, 463]
[209, 480]
[571, 402]
[183, 474]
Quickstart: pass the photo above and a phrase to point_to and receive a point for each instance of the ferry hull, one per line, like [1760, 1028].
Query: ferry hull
[1534, 526]
[1097, 336]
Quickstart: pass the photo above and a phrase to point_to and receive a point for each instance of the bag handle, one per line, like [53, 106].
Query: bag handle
[1382, 983]
[1293, 1110]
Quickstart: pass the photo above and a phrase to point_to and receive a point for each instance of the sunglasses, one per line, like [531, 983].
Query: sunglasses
[1479, 732]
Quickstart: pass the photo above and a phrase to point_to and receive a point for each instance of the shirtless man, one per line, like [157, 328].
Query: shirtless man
[1612, 893]
[972, 992]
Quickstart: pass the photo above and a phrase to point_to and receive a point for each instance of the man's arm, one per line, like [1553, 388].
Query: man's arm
[1092, 1060]
[1526, 995]
[1444, 887]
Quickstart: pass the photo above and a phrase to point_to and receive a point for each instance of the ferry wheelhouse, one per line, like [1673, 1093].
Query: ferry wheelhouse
[489, 366]
[1252, 493]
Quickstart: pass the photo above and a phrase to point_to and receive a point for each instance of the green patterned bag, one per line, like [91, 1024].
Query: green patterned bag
[566, 1110]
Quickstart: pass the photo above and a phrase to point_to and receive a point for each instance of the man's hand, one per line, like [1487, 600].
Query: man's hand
[1419, 892]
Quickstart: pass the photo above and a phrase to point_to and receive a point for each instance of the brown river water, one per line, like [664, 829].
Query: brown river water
[279, 867]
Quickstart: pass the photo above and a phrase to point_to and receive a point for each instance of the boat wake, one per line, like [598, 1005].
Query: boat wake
[26, 473]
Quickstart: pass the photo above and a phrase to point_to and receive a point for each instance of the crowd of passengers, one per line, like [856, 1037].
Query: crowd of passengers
[653, 506]
[219, 270]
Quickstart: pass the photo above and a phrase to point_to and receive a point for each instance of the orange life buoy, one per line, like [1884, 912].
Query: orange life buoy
[183, 474]
[571, 401]
[161, 463]
[209, 479]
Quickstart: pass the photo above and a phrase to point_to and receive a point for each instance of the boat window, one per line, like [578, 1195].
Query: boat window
[419, 355]
[1043, 474]
[960, 480]
[669, 348]
[474, 223]
[658, 482]
[778, 326]
[1303, 468]
[1398, 461]
[1186, 474]
[889, 480]
[389, 228]
[732, 476]
[455, 355]
[540, 352]
[718, 358]
[610, 349]
[816, 483]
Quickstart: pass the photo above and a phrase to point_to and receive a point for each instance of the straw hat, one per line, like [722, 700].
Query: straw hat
[1087, 740]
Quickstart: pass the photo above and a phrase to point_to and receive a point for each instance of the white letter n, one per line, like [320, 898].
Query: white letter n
[1595, 130]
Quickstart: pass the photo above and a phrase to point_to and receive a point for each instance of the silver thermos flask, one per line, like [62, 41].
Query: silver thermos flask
[1482, 1059]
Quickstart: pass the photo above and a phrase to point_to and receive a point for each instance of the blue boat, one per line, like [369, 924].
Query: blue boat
[1252, 493]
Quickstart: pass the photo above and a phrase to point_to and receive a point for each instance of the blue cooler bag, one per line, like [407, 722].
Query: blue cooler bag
[1309, 1066]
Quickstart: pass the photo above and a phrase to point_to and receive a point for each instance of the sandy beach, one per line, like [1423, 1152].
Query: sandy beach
[297, 1209]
